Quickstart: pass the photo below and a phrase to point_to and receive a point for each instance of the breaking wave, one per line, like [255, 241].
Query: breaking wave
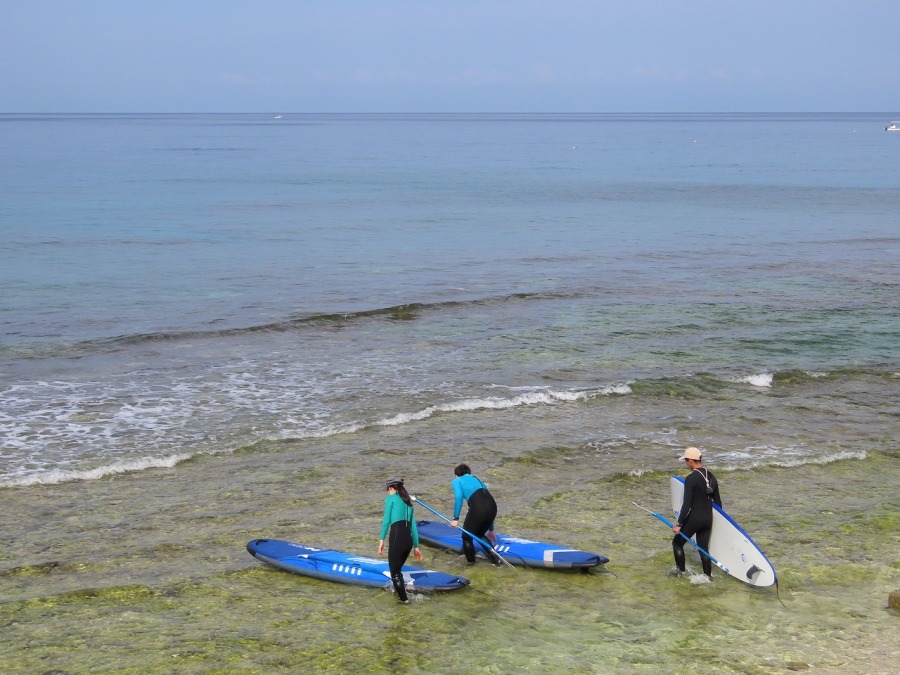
[54, 476]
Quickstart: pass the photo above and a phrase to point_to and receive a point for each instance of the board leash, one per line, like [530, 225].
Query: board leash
[691, 541]
[778, 595]
[485, 545]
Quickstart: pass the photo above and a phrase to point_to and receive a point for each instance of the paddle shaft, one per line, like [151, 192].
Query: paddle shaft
[486, 545]
[691, 541]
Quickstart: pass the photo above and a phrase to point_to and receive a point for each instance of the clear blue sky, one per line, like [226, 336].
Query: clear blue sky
[449, 55]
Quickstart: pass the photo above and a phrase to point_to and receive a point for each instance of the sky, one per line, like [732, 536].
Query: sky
[60, 56]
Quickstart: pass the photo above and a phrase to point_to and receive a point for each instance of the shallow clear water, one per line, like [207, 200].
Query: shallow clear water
[158, 578]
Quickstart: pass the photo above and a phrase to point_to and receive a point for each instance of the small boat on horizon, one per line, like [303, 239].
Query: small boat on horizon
[893, 126]
[277, 117]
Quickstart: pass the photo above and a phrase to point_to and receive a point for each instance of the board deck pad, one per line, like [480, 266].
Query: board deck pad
[729, 544]
[345, 568]
[517, 551]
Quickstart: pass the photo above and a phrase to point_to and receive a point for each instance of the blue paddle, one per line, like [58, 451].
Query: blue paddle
[484, 544]
[691, 541]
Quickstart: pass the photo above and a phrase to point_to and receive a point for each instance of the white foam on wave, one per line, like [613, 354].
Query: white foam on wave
[761, 454]
[83, 421]
[786, 457]
[623, 389]
[540, 397]
[534, 396]
[321, 433]
[758, 380]
[609, 390]
[55, 476]
[822, 459]
[490, 403]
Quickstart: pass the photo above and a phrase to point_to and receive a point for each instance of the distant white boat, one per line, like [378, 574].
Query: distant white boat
[277, 117]
[893, 126]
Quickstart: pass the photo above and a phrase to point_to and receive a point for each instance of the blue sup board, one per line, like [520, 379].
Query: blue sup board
[345, 568]
[516, 550]
[730, 545]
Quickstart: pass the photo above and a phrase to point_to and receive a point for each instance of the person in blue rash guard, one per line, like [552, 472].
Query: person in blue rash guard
[701, 489]
[481, 514]
[399, 526]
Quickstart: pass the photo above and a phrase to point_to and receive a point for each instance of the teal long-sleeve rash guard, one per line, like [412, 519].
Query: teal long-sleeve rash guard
[395, 509]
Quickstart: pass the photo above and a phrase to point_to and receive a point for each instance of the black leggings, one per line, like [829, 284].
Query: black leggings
[482, 512]
[400, 544]
[702, 536]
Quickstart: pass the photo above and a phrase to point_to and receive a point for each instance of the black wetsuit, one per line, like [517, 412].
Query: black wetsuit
[696, 516]
[399, 528]
[481, 514]
[400, 544]
[482, 511]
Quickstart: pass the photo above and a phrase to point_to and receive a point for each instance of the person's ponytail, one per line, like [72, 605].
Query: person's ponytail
[404, 495]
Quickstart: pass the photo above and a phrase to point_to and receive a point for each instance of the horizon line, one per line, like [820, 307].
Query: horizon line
[451, 112]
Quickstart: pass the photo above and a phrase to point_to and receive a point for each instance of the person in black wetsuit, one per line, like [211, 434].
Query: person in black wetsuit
[481, 514]
[695, 519]
[399, 526]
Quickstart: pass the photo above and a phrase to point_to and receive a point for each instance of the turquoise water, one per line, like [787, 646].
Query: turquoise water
[215, 328]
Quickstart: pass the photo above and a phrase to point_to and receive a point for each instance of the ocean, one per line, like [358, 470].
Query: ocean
[215, 328]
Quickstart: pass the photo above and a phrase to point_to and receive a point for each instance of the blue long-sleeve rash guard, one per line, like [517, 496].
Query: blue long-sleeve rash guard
[463, 487]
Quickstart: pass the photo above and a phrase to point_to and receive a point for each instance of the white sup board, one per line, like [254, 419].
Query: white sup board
[730, 545]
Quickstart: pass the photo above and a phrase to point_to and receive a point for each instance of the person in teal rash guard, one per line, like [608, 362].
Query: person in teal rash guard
[399, 526]
[481, 514]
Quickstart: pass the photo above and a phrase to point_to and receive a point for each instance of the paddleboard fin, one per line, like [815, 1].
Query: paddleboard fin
[753, 570]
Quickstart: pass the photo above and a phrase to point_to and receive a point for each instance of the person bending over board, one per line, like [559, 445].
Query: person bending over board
[399, 525]
[481, 514]
[701, 489]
